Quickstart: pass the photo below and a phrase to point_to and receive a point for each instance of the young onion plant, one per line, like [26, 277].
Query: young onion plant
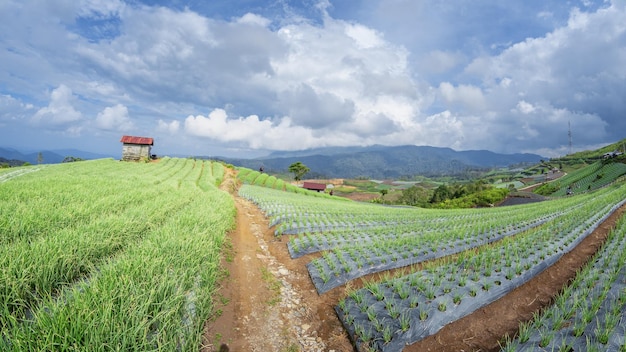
[140, 278]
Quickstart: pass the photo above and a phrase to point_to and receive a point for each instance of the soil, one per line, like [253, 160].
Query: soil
[268, 302]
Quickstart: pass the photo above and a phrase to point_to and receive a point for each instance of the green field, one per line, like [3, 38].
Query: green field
[110, 256]
[106, 255]
[468, 258]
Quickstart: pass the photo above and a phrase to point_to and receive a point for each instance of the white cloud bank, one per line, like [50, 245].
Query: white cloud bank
[296, 83]
[60, 111]
[114, 118]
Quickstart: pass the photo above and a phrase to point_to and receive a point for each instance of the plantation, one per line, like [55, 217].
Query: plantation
[108, 255]
[589, 314]
[479, 255]
[594, 176]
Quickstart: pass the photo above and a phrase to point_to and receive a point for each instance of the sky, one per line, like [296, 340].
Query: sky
[243, 78]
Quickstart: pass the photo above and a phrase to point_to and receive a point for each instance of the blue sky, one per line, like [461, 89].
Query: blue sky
[241, 78]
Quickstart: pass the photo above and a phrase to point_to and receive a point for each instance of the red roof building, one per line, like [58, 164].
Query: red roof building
[136, 148]
[320, 187]
[137, 140]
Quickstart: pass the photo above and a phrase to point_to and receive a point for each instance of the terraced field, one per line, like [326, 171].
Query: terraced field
[107, 255]
[454, 262]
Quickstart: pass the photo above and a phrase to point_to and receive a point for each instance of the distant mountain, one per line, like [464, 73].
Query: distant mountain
[11, 162]
[47, 156]
[383, 162]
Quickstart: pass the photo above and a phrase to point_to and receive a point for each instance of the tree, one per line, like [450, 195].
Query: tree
[71, 159]
[415, 195]
[298, 169]
[39, 158]
[383, 192]
[441, 193]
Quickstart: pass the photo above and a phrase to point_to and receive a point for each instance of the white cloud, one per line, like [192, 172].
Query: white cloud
[254, 132]
[465, 97]
[114, 118]
[13, 110]
[574, 73]
[389, 72]
[364, 37]
[100, 8]
[438, 61]
[60, 110]
[250, 18]
[525, 107]
[171, 127]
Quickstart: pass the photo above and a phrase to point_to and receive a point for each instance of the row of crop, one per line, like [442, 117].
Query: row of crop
[579, 174]
[600, 178]
[461, 229]
[590, 313]
[298, 215]
[252, 177]
[367, 238]
[137, 279]
[77, 197]
[248, 176]
[295, 214]
[390, 314]
[342, 264]
[65, 220]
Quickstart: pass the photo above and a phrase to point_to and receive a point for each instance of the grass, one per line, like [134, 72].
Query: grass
[273, 285]
[130, 260]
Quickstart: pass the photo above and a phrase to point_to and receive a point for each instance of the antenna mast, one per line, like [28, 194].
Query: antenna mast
[569, 135]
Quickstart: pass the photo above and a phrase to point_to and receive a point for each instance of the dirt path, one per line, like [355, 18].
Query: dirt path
[270, 304]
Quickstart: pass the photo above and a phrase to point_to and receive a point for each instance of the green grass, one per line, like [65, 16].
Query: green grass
[108, 255]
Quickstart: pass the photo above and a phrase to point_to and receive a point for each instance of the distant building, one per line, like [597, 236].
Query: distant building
[312, 186]
[136, 148]
[612, 154]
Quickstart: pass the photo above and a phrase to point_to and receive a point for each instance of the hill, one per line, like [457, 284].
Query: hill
[383, 162]
[596, 153]
[14, 157]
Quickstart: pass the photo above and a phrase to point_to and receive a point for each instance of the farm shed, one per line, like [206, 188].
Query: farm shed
[136, 148]
[312, 186]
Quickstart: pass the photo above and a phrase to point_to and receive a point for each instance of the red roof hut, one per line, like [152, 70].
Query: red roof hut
[320, 187]
[136, 148]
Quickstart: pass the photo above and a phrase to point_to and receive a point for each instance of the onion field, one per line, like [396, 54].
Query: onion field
[473, 256]
[590, 314]
[110, 256]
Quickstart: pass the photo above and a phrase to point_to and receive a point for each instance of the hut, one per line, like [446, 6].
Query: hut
[136, 148]
[313, 186]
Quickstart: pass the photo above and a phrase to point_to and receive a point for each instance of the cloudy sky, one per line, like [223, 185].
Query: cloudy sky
[243, 77]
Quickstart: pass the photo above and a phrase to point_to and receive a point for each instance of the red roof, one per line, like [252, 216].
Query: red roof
[137, 140]
[314, 186]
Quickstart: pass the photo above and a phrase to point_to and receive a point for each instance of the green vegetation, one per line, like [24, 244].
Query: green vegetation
[591, 177]
[103, 253]
[456, 195]
[71, 159]
[495, 250]
[586, 312]
[596, 153]
[257, 178]
[298, 170]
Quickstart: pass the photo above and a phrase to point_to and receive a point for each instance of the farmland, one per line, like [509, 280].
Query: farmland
[454, 262]
[104, 255]
[130, 256]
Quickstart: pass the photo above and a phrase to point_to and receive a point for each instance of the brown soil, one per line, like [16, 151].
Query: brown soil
[252, 320]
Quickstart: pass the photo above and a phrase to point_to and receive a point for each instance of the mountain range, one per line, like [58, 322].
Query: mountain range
[373, 162]
[386, 162]
[14, 157]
